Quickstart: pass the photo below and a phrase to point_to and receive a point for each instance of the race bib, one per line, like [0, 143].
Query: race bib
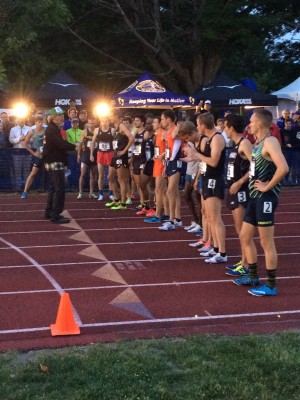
[241, 197]
[137, 149]
[203, 167]
[230, 171]
[148, 154]
[252, 168]
[211, 183]
[115, 144]
[179, 163]
[167, 153]
[104, 146]
[88, 144]
[268, 207]
[156, 152]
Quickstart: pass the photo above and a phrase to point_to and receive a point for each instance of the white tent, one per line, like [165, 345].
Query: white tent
[291, 91]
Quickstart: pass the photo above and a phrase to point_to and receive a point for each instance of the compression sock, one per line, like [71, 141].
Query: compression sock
[271, 278]
[253, 271]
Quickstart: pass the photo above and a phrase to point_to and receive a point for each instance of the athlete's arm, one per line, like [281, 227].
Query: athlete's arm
[27, 141]
[96, 130]
[272, 151]
[131, 138]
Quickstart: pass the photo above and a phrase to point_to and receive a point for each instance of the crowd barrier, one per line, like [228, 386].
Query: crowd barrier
[15, 166]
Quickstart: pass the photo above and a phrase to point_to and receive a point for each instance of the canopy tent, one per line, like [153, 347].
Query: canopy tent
[149, 93]
[226, 92]
[291, 91]
[60, 89]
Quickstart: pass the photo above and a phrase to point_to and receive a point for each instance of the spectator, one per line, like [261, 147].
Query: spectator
[83, 119]
[286, 116]
[288, 134]
[21, 159]
[73, 135]
[72, 113]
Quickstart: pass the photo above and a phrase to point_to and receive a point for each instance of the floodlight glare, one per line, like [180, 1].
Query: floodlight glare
[21, 110]
[102, 110]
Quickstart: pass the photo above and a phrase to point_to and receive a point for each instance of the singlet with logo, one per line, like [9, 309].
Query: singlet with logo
[139, 146]
[149, 148]
[237, 166]
[170, 144]
[105, 140]
[120, 141]
[37, 140]
[87, 141]
[261, 169]
[209, 171]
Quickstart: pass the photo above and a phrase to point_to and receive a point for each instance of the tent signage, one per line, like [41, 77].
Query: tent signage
[237, 102]
[66, 102]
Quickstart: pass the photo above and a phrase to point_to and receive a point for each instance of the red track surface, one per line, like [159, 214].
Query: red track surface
[126, 279]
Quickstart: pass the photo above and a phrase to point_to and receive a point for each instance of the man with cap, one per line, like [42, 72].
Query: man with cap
[55, 157]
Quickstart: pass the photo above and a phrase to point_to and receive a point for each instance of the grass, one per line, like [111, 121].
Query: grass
[197, 367]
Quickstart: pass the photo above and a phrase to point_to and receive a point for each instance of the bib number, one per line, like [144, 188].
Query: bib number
[230, 171]
[137, 150]
[167, 153]
[115, 144]
[241, 197]
[211, 183]
[104, 146]
[156, 152]
[268, 207]
[203, 167]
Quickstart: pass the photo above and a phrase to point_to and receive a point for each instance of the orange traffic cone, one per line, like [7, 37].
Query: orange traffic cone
[65, 322]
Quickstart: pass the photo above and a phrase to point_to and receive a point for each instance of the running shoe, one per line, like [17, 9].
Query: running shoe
[177, 223]
[119, 207]
[143, 211]
[206, 247]
[238, 271]
[152, 220]
[150, 213]
[246, 281]
[113, 203]
[193, 224]
[263, 290]
[196, 229]
[92, 196]
[111, 197]
[217, 259]
[234, 266]
[100, 197]
[167, 226]
[128, 201]
[209, 253]
[24, 195]
[199, 244]
[79, 196]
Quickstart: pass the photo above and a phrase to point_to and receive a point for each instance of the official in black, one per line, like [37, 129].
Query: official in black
[55, 158]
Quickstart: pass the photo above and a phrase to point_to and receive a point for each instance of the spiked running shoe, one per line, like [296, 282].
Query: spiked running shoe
[152, 220]
[177, 223]
[119, 207]
[128, 201]
[100, 197]
[79, 196]
[238, 271]
[167, 226]
[206, 248]
[209, 253]
[24, 195]
[143, 211]
[234, 266]
[150, 213]
[263, 290]
[92, 196]
[199, 244]
[217, 259]
[112, 203]
[193, 224]
[246, 281]
[196, 229]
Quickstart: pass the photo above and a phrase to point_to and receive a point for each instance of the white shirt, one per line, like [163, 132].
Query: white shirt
[16, 135]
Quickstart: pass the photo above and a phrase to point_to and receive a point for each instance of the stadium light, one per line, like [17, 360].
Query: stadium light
[102, 110]
[21, 110]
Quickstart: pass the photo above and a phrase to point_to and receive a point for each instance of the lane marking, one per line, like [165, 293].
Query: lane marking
[135, 285]
[162, 320]
[42, 270]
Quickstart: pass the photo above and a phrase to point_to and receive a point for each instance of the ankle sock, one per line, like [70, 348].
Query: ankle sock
[253, 271]
[271, 278]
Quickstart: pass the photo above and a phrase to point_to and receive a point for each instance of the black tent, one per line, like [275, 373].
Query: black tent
[226, 92]
[60, 88]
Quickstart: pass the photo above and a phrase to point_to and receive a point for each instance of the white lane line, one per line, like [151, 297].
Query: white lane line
[42, 270]
[77, 263]
[135, 242]
[162, 320]
[135, 285]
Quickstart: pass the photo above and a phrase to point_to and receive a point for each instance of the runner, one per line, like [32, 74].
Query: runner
[268, 167]
[83, 156]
